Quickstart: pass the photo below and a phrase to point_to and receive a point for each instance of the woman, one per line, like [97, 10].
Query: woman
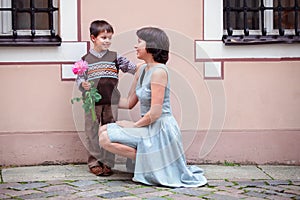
[154, 141]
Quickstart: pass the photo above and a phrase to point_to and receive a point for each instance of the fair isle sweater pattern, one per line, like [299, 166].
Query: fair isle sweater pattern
[102, 70]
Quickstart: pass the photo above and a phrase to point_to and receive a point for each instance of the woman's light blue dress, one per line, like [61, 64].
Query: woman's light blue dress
[160, 157]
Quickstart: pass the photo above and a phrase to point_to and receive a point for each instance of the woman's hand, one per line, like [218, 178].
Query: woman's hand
[126, 124]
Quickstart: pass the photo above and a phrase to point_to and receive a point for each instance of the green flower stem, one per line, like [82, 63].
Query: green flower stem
[93, 114]
[89, 99]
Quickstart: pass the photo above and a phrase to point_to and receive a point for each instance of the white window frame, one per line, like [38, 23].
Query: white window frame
[215, 50]
[241, 32]
[5, 20]
[269, 16]
[269, 23]
[68, 29]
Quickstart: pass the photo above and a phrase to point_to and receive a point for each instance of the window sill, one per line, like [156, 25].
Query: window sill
[207, 51]
[258, 39]
[30, 41]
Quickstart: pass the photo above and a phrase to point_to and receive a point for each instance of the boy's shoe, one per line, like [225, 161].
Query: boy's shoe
[107, 171]
[97, 170]
[102, 170]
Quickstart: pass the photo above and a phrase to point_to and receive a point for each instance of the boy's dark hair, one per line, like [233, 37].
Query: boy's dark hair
[157, 43]
[99, 26]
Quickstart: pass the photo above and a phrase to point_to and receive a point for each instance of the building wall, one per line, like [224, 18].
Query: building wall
[248, 115]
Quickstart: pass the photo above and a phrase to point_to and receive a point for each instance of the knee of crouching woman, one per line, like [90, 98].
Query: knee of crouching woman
[103, 138]
[102, 141]
[102, 129]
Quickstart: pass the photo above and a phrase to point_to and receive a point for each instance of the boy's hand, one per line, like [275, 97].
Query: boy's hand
[86, 85]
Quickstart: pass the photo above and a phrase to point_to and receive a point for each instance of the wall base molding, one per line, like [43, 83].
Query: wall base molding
[201, 147]
[244, 147]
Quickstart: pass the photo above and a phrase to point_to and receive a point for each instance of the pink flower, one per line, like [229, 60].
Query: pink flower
[80, 67]
[90, 96]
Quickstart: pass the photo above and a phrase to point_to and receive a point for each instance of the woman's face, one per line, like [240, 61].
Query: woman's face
[141, 49]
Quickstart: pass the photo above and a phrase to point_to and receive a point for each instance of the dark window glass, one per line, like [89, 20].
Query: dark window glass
[25, 17]
[27, 22]
[42, 21]
[238, 17]
[248, 21]
[285, 14]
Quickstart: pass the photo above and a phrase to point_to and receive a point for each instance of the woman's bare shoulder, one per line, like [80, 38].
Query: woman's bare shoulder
[159, 74]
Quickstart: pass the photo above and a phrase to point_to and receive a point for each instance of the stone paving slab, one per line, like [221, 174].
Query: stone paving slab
[246, 172]
[76, 172]
[76, 182]
[125, 189]
[282, 172]
[57, 172]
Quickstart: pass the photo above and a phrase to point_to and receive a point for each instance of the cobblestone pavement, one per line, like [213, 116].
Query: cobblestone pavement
[75, 182]
[126, 189]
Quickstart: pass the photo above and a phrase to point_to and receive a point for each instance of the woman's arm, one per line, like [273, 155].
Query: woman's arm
[159, 82]
[131, 100]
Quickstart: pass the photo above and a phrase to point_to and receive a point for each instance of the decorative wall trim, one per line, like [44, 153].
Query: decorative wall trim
[67, 52]
[213, 70]
[66, 72]
[68, 20]
[213, 19]
[79, 36]
[212, 50]
[238, 146]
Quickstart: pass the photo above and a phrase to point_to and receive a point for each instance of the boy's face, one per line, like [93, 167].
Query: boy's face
[102, 41]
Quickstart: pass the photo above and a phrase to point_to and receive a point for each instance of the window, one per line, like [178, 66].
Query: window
[261, 21]
[29, 23]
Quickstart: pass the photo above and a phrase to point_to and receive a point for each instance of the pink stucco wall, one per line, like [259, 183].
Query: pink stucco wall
[262, 95]
[35, 99]
[184, 17]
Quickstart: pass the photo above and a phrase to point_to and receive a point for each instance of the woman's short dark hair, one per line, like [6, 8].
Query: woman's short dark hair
[157, 43]
[99, 26]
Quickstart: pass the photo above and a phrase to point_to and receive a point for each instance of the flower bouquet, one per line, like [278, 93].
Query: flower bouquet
[91, 96]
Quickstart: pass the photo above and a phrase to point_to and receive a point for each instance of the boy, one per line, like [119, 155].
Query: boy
[103, 69]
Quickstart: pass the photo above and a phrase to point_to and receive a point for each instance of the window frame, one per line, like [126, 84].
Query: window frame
[210, 47]
[10, 36]
[266, 33]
